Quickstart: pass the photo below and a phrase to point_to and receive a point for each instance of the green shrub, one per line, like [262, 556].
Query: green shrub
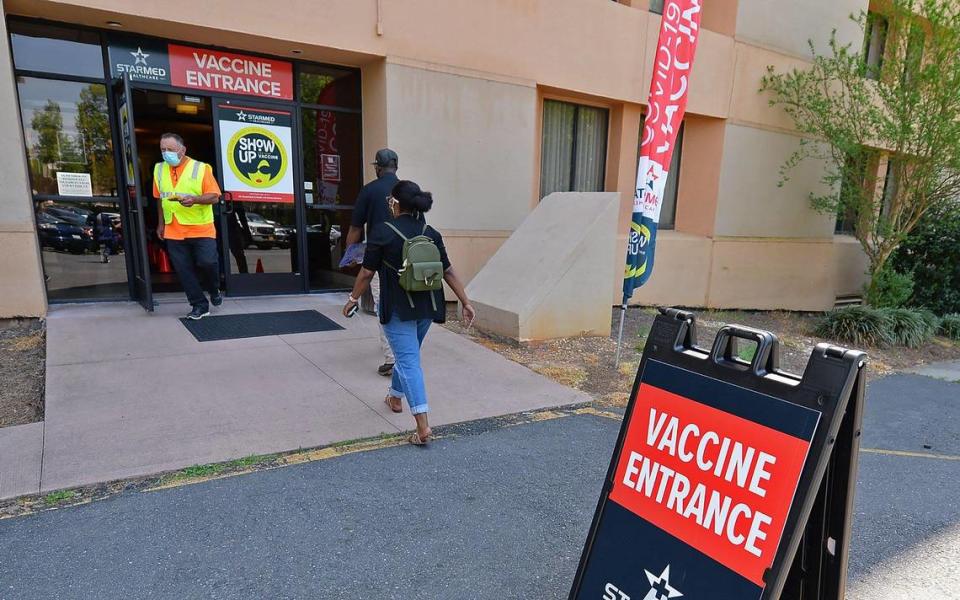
[858, 325]
[932, 254]
[950, 326]
[888, 289]
[908, 327]
[932, 320]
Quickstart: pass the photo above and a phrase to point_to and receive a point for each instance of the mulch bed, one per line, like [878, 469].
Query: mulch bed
[587, 363]
[23, 352]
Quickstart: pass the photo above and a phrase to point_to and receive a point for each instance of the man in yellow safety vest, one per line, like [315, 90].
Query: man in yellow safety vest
[187, 192]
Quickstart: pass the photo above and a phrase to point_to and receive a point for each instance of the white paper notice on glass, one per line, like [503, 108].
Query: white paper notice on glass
[74, 184]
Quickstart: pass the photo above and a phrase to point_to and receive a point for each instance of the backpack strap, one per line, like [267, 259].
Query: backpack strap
[397, 231]
[390, 225]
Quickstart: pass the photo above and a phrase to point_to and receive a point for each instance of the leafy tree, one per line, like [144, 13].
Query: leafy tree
[48, 123]
[906, 106]
[94, 126]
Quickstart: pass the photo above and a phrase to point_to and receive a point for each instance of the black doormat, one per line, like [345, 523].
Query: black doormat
[232, 327]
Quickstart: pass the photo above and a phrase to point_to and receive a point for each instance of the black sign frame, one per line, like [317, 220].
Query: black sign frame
[811, 559]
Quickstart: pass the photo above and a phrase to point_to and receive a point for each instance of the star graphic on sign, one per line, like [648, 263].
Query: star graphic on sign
[140, 56]
[241, 116]
[652, 176]
[660, 588]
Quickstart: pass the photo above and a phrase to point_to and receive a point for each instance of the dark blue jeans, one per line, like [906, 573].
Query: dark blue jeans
[196, 264]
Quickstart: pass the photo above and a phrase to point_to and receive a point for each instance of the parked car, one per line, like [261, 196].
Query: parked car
[283, 234]
[263, 235]
[68, 215]
[61, 235]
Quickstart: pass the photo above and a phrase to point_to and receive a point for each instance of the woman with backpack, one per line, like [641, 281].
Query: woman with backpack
[412, 263]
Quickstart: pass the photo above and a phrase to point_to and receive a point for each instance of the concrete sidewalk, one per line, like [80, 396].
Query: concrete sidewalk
[114, 408]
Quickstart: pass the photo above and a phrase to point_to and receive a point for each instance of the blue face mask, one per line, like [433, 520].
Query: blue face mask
[171, 158]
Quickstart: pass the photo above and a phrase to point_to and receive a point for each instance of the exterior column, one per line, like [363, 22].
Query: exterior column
[24, 293]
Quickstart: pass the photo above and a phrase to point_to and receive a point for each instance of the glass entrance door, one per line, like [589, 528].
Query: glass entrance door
[262, 209]
[141, 287]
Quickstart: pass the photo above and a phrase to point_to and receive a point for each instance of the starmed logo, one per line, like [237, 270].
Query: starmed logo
[660, 588]
[139, 57]
[140, 69]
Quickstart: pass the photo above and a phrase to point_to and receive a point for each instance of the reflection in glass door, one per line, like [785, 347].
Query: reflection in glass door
[74, 183]
[331, 181]
[259, 220]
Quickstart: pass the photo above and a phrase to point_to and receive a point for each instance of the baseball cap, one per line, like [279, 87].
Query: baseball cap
[385, 156]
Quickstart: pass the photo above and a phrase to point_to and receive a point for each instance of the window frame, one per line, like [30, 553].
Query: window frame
[846, 221]
[875, 50]
[577, 105]
[50, 76]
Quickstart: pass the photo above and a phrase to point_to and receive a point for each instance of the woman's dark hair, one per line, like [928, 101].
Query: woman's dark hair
[411, 197]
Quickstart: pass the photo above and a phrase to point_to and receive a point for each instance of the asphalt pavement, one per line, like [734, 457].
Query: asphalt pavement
[494, 513]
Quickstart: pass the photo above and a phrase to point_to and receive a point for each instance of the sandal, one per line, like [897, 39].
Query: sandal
[397, 408]
[416, 440]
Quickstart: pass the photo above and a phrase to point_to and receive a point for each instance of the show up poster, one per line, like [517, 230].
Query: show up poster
[255, 153]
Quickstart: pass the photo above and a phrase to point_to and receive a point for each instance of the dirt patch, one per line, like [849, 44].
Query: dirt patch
[587, 363]
[23, 353]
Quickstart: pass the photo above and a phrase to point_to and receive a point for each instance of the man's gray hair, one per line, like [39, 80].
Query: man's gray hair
[174, 136]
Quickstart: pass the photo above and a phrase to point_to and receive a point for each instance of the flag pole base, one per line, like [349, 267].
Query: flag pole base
[623, 313]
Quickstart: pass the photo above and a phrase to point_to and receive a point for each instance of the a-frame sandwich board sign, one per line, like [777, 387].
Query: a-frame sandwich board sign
[730, 480]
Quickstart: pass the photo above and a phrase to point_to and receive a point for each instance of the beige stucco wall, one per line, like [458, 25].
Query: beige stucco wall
[772, 274]
[466, 137]
[787, 25]
[592, 46]
[851, 266]
[681, 274]
[751, 204]
[22, 292]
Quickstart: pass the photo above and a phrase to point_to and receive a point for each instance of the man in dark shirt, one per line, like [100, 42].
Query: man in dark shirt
[370, 209]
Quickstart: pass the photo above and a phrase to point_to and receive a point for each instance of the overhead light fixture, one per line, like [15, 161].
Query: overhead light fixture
[187, 109]
[114, 24]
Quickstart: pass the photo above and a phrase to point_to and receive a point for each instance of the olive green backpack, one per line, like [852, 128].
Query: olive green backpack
[422, 269]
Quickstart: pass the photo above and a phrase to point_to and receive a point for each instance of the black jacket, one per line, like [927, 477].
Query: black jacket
[385, 246]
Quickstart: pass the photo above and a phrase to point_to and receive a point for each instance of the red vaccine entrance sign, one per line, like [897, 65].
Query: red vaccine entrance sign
[219, 71]
[718, 482]
[700, 492]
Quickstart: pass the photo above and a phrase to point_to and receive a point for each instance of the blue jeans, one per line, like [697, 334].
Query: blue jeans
[405, 339]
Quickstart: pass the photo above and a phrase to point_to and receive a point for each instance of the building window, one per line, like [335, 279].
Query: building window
[853, 187]
[47, 49]
[914, 53]
[874, 44]
[890, 187]
[656, 6]
[332, 177]
[574, 148]
[66, 128]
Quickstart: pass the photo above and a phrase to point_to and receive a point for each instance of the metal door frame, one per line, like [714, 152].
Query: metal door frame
[249, 284]
[141, 284]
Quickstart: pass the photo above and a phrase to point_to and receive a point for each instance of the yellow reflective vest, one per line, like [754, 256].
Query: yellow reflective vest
[190, 183]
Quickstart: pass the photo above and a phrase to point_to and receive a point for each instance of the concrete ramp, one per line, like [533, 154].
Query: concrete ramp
[554, 275]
